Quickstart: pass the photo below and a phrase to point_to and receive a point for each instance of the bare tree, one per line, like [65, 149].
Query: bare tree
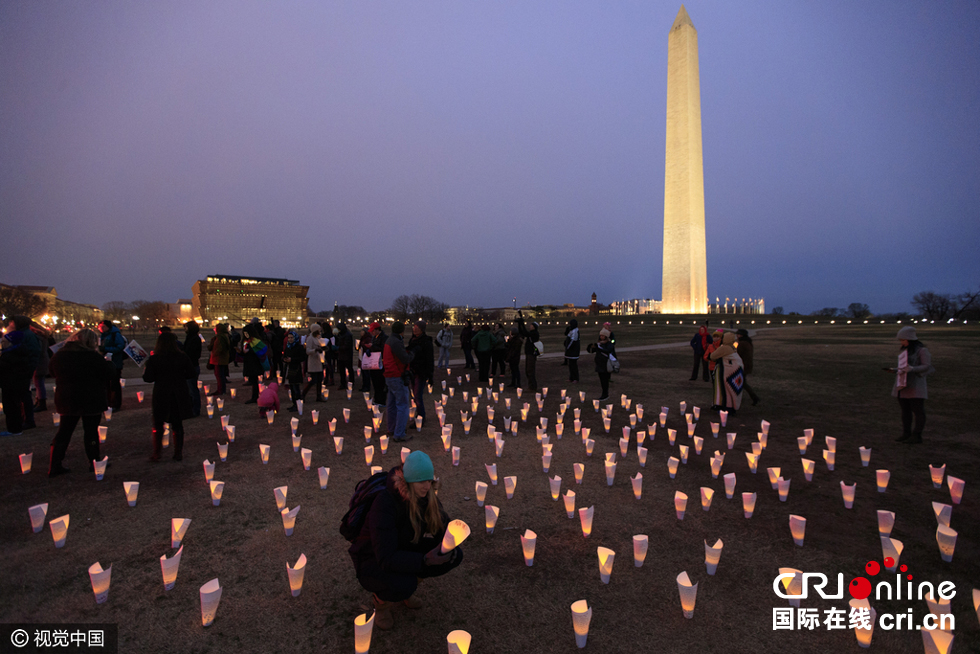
[18, 302]
[117, 311]
[964, 302]
[858, 311]
[152, 311]
[415, 307]
[935, 306]
[828, 312]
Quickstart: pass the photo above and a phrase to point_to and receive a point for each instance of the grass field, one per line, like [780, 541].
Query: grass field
[827, 378]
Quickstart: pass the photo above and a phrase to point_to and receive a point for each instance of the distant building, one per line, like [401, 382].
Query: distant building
[635, 307]
[181, 311]
[227, 298]
[59, 312]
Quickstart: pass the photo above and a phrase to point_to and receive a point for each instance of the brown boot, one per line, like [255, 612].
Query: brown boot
[383, 619]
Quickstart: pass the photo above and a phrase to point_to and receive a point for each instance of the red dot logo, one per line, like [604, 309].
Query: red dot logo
[903, 567]
[872, 568]
[889, 562]
[859, 588]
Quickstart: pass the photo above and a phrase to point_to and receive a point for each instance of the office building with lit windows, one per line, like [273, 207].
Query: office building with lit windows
[236, 300]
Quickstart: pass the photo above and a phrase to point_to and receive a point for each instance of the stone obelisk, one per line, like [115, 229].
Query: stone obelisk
[685, 279]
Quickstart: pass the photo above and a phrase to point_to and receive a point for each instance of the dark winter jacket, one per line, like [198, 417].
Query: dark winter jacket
[192, 346]
[220, 347]
[345, 344]
[18, 363]
[531, 335]
[514, 348]
[169, 374]
[745, 352]
[466, 336]
[296, 353]
[114, 343]
[81, 378]
[385, 542]
[572, 343]
[423, 352]
[483, 341]
[602, 352]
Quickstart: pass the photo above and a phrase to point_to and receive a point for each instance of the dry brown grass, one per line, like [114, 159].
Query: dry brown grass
[826, 378]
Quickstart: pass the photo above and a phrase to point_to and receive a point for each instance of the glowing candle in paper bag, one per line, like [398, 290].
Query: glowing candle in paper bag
[456, 532]
[456, 453]
[281, 493]
[178, 529]
[829, 458]
[891, 548]
[59, 530]
[498, 444]
[585, 433]
[289, 519]
[546, 462]
[640, 544]
[589, 445]
[108, 414]
[706, 495]
[731, 439]
[99, 467]
[886, 520]
[716, 463]
[641, 437]
[307, 458]
[481, 493]
[757, 449]
[585, 518]
[369, 454]
[297, 441]
[671, 436]
[103, 432]
[688, 593]
[639, 411]
[528, 541]
[943, 512]
[459, 641]
[466, 425]
[559, 430]
[56, 419]
[691, 426]
[221, 403]
[882, 477]
[139, 395]
[491, 513]
[680, 504]
[946, 538]
[132, 489]
[641, 454]
[831, 443]
[808, 466]
[748, 504]
[100, 581]
[955, 488]
[865, 456]
[792, 585]
[555, 484]
[346, 415]
[848, 494]
[169, 568]
[606, 559]
[937, 641]
[569, 500]
[579, 469]
[783, 487]
[753, 460]
[684, 451]
[581, 616]
[632, 420]
[491, 472]
[299, 408]
[773, 476]
[698, 444]
[723, 416]
[333, 426]
[763, 439]
[210, 408]
[730, 485]
[610, 472]
[510, 485]
[295, 574]
[217, 488]
[712, 554]
[937, 473]
[939, 608]
[25, 462]
[672, 464]
[801, 442]
[606, 424]
[797, 526]
[663, 418]
[210, 598]
[637, 482]
[624, 444]
[38, 513]
[270, 416]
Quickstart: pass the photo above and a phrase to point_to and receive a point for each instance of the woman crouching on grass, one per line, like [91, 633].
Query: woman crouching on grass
[399, 543]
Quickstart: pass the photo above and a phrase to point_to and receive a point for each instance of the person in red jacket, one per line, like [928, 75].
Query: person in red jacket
[398, 378]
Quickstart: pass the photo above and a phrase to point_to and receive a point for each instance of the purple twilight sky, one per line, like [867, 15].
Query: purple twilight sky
[477, 151]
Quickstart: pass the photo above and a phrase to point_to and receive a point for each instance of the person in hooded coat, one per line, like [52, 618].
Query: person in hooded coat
[168, 369]
[573, 348]
[192, 348]
[531, 353]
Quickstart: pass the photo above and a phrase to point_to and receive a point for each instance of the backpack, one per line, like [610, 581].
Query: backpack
[365, 492]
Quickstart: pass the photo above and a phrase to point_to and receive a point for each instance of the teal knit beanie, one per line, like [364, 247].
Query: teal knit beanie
[418, 467]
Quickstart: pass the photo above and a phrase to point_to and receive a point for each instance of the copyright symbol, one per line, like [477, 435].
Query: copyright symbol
[20, 638]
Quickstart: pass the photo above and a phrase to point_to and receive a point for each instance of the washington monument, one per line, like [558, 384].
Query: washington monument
[685, 279]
